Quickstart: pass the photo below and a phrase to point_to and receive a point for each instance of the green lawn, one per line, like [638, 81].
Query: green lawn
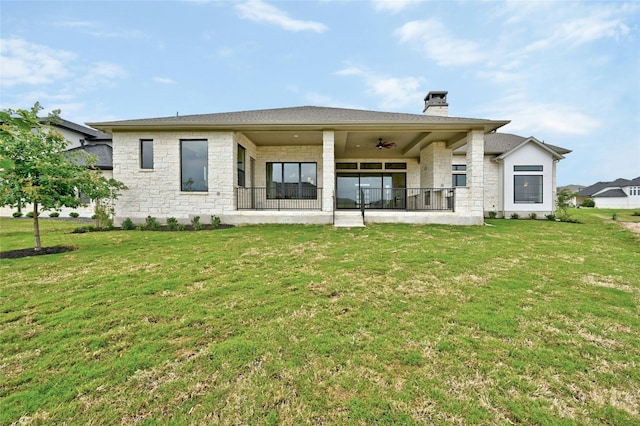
[522, 321]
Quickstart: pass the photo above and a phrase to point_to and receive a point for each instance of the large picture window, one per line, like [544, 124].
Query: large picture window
[527, 189]
[292, 180]
[193, 165]
[242, 165]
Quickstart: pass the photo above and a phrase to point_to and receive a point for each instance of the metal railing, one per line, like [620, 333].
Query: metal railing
[364, 198]
[261, 198]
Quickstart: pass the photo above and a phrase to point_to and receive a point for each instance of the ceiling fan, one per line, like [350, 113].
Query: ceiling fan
[382, 144]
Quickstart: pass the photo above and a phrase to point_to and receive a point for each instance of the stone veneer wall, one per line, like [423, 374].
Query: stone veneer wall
[157, 191]
[435, 166]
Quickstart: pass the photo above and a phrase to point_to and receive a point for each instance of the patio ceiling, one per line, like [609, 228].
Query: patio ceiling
[362, 143]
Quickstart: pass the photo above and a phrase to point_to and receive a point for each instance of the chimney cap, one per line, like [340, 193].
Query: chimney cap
[435, 103]
[436, 96]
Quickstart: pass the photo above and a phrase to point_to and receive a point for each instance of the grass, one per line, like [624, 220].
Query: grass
[519, 322]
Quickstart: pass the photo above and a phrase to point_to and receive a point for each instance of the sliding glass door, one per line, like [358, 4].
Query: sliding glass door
[371, 190]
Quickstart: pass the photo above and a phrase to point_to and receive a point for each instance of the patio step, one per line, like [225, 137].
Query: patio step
[350, 219]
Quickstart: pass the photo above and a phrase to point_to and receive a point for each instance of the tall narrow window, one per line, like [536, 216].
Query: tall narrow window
[242, 164]
[459, 175]
[193, 165]
[146, 153]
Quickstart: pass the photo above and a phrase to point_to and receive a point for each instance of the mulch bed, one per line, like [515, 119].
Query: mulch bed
[17, 254]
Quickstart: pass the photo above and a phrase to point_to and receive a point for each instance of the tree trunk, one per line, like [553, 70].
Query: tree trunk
[36, 227]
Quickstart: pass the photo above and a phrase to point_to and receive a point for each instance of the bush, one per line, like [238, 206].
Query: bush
[181, 227]
[172, 223]
[492, 215]
[614, 216]
[54, 214]
[84, 229]
[74, 215]
[30, 214]
[551, 217]
[151, 222]
[635, 214]
[533, 216]
[195, 222]
[588, 202]
[17, 214]
[215, 221]
[128, 224]
[515, 216]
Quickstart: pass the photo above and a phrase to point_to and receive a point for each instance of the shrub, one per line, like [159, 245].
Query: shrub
[515, 216]
[30, 214]
[181, 227]
[74, 215]
[635, 214]
[614, 216]
[533, 216]
[151, 222]
[84, 229]
[128, 224]
[17, 214]
[215, 221]
[492, 215]
[195, 222]
[551, 217]
[588, 202]
[54, 214]
[172, 223]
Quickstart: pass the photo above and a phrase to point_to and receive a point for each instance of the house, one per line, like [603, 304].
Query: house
[329, 165]
[573, 189]
[619, 194]
[86, 139]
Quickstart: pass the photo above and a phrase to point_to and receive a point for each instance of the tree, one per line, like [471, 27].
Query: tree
[563, 202]
[36, 170]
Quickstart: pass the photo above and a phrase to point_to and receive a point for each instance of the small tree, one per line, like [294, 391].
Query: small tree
[563, 202]
[34, 168]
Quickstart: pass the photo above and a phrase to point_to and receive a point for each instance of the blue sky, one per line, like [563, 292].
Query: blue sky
[565, 72]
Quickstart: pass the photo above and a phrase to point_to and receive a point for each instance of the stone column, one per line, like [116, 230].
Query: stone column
[328, 170]
[475, 172]
[435, 166]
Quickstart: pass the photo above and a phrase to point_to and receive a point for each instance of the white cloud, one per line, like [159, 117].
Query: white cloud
[431, 36]
[31, 64]
[394, 92]
[393, 6]
[259, 11]
[163, 80]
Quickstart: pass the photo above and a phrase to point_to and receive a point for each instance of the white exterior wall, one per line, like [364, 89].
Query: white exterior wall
[529, 154]
[631, 201]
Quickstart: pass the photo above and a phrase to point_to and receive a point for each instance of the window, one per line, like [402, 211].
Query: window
[193, 165]
[146, 154]
[371, 166]
[242, 162]
[346, 166]
[527, 189]
[459, 179]
[527, 168]
[292, 180]
[395, 166]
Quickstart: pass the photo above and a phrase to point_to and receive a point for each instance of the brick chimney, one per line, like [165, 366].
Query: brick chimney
[435, 103]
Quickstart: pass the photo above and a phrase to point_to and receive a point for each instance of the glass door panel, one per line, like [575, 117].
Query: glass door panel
[348, 191]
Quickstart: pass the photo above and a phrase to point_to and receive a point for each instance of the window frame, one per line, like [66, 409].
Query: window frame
[183, 142]
[148, 143]
[242, 166]
[458, 168]
[290, 190]
[527, 197]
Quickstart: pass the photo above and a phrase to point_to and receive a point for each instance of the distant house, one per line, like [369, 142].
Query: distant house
[619, 194]
[91, 141]
[330, 165]
[574, 189]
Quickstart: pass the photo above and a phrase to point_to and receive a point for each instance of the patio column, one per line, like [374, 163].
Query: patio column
[435, 166]
[475, 172]
[328, 169]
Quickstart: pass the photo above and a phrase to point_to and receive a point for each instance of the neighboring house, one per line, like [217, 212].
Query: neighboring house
[84, 138]
[329, 165]
[619, 194]
[574, 189]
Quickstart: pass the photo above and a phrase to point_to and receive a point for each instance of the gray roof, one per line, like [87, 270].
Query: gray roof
[599, 186]
[305, 115]
[102, 152]
[499, 143]
[90, 134]
[616, 192]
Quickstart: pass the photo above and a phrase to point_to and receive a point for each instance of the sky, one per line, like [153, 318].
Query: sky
[565, 72]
